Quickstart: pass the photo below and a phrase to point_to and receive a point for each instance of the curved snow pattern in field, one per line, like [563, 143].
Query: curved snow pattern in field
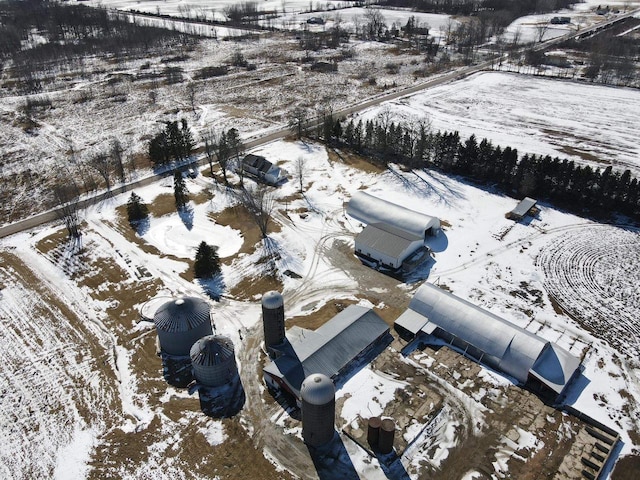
[594, 275]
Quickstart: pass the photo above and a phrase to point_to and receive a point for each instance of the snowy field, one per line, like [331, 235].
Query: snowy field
[507, 273]
[591, 124]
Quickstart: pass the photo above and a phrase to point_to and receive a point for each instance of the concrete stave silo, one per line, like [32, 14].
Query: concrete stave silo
[273, 319]
[213, 360]
[180, 323]
[318, 409]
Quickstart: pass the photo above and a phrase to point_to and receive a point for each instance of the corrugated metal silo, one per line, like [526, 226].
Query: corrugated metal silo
[213, 360]
[180, 323]
[387, 432]
[318, 409]
[273, 319]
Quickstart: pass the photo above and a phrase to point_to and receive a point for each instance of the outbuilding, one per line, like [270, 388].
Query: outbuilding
[329, 350]
[489, 339]
[393, 235]
[527, 206]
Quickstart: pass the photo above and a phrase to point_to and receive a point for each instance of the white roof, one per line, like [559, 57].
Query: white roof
[518, 352]
[389, 240]
[373, 210]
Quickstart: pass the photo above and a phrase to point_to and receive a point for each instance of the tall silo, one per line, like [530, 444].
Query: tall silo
[318, 409]
[180, 323]
[273, 319]
[213, 360]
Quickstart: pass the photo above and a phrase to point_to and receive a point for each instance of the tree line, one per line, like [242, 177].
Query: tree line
[574, 187]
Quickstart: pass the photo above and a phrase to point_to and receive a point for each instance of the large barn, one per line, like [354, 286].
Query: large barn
[329, 350]
[489, 339]
[393, 235]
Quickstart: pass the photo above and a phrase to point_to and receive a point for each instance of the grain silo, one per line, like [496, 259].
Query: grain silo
[180, 323]
[213, 360]
[318, 409]
[387, 432]
[273, 319]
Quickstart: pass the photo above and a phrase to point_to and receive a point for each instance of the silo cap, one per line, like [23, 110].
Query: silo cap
[272, 300]
[317, 389]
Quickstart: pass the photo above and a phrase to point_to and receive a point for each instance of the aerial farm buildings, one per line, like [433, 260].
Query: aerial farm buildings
[329, 350]
[394, 237]
[489, 339]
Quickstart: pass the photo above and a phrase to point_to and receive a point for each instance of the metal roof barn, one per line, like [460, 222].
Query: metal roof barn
[373, 210]
[180, 323]
[327, 350]
[213, 360]
[523, 208]
[498, 342]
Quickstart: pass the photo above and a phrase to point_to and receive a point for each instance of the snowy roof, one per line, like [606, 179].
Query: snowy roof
[182, 314]
[523, 207]
[328, 349]
[373, 210]
[387, 239]
[517, 351]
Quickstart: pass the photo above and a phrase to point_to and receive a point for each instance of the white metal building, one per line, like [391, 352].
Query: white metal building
[393, 233]
[488, 338]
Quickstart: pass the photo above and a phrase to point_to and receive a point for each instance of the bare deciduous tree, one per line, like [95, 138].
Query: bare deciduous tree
[300, 171]
[259, 203]
[67, 195]
[298, 121]
[103, 165]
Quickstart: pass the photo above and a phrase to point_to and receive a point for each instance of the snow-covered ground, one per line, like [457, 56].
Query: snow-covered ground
[590, 124]
[473, 257]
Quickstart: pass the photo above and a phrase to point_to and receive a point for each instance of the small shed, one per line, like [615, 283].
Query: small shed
[527, 206]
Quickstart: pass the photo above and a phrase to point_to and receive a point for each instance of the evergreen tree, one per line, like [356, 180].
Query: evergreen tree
[180, 191]
[187, 143]
[136, 209]
[207, 263]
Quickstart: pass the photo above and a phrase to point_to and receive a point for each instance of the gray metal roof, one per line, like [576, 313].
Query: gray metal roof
[182, 314]
[518, 351]
[328, 349]
[318, 389]
[373, 210]
[523, 207]
[212, 350]
[386, 239]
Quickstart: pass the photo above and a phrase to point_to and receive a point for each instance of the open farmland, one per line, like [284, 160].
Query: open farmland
[589, 124]
[83, 391]
[160, 430]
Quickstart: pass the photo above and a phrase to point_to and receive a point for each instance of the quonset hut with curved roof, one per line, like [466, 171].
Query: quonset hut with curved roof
[393, 233]
[213, 360]
[489, 339]
[182, 322]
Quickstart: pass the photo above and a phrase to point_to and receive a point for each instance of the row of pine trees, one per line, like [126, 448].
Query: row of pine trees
[574, 187]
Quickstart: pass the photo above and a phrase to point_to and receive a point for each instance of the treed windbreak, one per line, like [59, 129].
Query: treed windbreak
[38, 35]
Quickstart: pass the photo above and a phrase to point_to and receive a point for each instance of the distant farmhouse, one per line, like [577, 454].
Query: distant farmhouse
[329, 350]
[527, 206]
[263, 170]
[394, 238]
[542, 365]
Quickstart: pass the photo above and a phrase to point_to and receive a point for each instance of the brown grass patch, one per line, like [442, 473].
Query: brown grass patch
[626, 468]
[251, 288]
[163, 204]
[322, 316]
[354, 160]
